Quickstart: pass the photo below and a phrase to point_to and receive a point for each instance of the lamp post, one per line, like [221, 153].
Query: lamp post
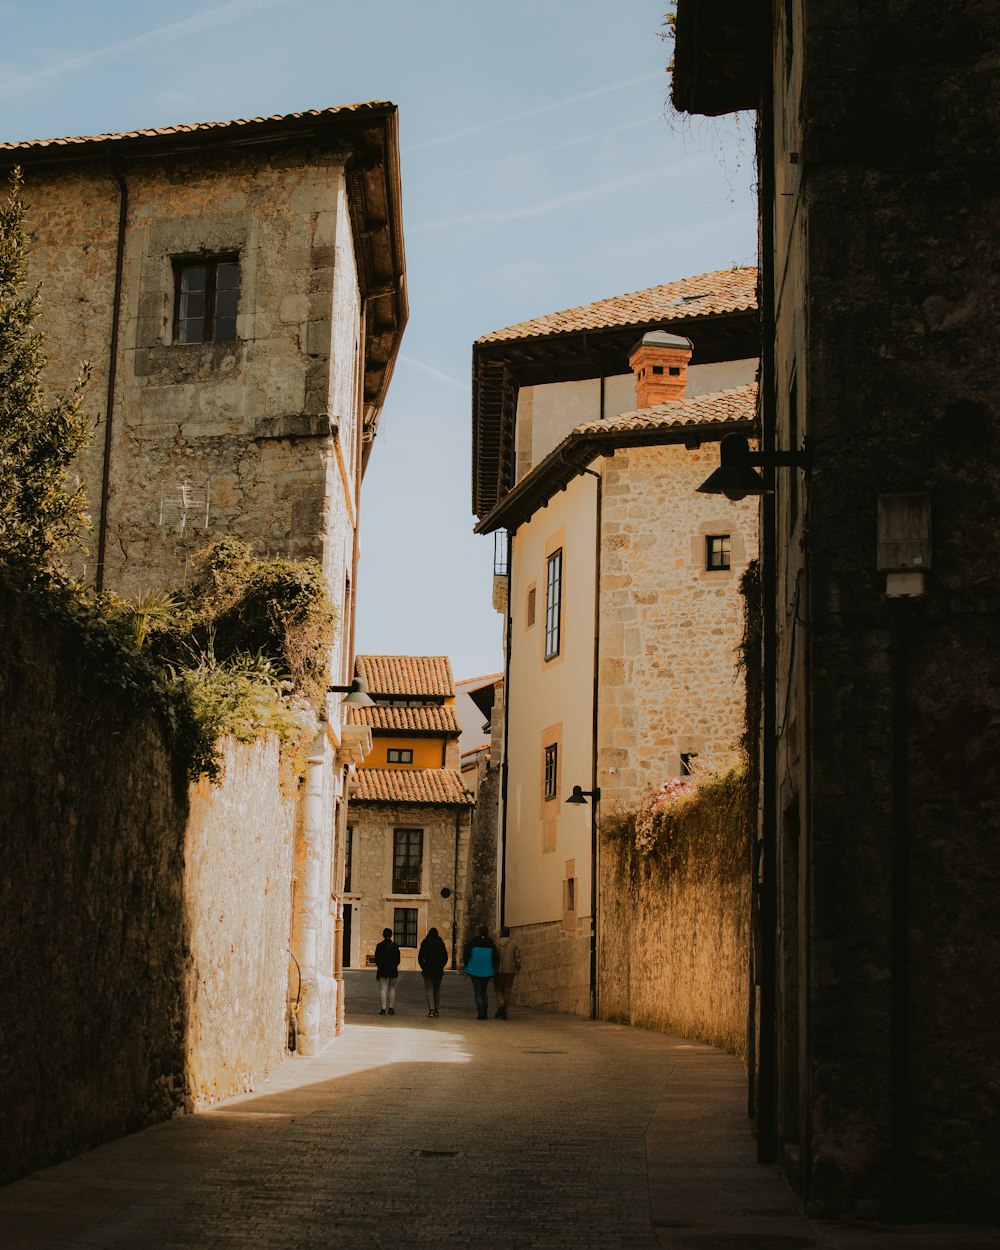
[356, 694]
[578, 798]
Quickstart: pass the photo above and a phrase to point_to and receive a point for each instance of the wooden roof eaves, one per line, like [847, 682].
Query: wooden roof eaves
[502, 357]
[569, 459]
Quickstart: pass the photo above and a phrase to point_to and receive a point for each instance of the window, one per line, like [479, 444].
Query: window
[348, 857]
[553, 603]
[529, 614]
[399, 755]
[687, 762]
[404, 926]
[718, 551]
[571, 894]
[207, 293]
[552, 771]
[407, 855]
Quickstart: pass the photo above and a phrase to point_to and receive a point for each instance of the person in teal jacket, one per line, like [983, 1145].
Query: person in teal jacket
[481, 966]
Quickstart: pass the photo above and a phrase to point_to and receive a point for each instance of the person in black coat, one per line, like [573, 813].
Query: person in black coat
[433, 959]
[387, 971]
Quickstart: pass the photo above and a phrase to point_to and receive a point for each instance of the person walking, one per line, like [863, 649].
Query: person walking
[508, 966]
[387, 971]
[480, 965]
[433, 959]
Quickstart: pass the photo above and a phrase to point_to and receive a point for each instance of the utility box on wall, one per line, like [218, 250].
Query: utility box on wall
[904, 533]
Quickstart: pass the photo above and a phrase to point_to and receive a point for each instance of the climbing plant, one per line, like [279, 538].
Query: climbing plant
[41, 510]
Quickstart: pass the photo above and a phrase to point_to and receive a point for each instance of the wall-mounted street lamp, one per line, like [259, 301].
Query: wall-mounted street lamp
[355, 695]
[736, 478]
[580, 795]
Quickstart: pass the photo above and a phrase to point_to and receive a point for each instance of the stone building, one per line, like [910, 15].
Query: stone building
[592, 429]
[239, 290]
[409, 813]
[877, 1067]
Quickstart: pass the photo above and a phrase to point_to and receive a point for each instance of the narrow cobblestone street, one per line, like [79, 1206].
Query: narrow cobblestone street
[542, 1131]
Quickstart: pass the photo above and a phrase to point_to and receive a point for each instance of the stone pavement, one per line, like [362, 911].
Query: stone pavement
[542, 1132]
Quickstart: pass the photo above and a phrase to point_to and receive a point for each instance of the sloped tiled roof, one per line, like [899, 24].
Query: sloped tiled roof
[736, 403]
[407, 676]
[701, 418]
[247, 124]
[402, 720]
[411, 785]
[722, 291]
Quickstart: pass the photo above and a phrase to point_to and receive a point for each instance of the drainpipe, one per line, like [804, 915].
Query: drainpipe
[767, 886]
[506, 727]
[340, 820]
[310, 900]
[102, 527]
[595, 811]
[899, 1024]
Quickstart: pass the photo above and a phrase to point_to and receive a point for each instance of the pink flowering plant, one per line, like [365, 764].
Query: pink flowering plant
[703, 816]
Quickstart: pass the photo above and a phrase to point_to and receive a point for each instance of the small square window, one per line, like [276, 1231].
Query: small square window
[718, 551]
[404, 925]
[206, 296]
[552, 771]
[399, 755]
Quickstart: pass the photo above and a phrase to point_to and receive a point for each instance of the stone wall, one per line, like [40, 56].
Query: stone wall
[238, 903]
[481, 888]
[669, 626]
[144, 926]
[674, 952]
[262, 428]
[555, 973]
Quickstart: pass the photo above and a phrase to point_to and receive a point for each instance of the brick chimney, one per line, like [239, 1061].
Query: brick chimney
[659, 361]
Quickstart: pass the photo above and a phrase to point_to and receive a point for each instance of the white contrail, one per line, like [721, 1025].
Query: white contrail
[434, 373]
[542, 108]
[137, 43]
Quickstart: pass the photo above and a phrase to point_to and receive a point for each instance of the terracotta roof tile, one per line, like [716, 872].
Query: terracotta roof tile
[408, 676]
[736, 403]
[646, 427]
[195, 127]
[707, 294]
[432, 719]
[411, 785]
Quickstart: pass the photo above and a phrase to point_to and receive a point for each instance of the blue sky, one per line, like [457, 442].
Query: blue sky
[541, 169]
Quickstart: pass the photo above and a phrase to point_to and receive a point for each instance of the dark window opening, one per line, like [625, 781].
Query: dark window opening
[404, 926]
[687, 762]
[675, 371]
[206, 296]
[553, 604]
[348, 858]
[552, 771]
[400, 755]
[571, 894]
[407, 857]
[657, 368]
[718, 551]
[530, 611]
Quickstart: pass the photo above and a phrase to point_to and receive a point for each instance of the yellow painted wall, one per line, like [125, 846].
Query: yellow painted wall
[551, 700]
[427, 752]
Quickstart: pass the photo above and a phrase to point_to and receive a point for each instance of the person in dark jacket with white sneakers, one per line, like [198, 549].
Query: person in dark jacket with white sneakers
[433, 959]
[387, 971]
